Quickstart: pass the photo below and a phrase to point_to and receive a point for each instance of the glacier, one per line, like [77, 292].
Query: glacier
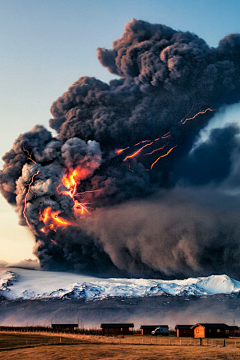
[23, 284]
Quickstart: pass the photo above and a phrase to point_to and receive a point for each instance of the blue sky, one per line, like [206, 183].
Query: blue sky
[47, 45]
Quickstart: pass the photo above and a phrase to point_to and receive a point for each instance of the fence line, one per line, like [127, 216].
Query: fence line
[85, 334]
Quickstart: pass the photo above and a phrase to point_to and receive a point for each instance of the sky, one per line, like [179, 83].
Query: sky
[47, 45]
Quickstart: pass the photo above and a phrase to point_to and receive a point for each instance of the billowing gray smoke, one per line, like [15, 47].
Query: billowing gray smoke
[178, 219]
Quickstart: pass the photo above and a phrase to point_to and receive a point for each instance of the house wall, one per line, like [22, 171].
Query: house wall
[216, 333]
[199, 332]
[185, 332]
[117, 331]
[147, 331]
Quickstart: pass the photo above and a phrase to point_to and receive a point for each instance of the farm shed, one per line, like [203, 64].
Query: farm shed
[117, 329]
[208, 330]
[184, 330]
[147, 329]
[64, 327]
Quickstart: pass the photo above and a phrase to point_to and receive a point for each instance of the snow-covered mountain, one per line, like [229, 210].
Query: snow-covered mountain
[32, 285]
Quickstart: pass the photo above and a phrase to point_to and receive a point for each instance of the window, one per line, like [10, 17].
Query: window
[210, 330]
[218, 330]
[197, 330]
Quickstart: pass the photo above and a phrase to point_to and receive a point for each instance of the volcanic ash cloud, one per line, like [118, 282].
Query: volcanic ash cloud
[126, 188]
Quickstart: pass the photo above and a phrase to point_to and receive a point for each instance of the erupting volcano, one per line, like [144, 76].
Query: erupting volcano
[128, 187]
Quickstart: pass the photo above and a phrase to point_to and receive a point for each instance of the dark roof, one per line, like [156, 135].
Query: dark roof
[233, 327]
[65, 325]
[183, 327]
[152, 326]
[211, 325]
[116, 326]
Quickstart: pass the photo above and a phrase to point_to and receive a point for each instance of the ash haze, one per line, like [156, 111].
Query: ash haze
[181, 218]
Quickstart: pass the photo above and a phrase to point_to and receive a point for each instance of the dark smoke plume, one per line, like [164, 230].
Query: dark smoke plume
[179, 219]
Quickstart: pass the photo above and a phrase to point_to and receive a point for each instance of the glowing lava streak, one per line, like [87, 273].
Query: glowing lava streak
[162, 156]
[183, 121]
[27, 193]
[119, 151]
[137, 152]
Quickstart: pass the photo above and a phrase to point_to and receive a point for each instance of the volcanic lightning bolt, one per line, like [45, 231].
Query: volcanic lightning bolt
[70, 182]
[26, 196]
[51, 220]
[28, 155]
[67, 186]
[136, 152]
[162, 156]
[183, 121]
[151, 142]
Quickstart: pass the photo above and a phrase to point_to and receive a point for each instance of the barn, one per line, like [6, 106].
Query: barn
[117, 329]
[184, 330]
[147, 329]
[210, 330]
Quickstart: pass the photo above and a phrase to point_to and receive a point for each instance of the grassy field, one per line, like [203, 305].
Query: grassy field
[24, 346]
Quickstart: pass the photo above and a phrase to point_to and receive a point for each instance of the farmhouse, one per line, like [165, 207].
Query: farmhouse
[207, 330]
[147, 329]
[117, 329]
[64, 327]
[184, 330]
